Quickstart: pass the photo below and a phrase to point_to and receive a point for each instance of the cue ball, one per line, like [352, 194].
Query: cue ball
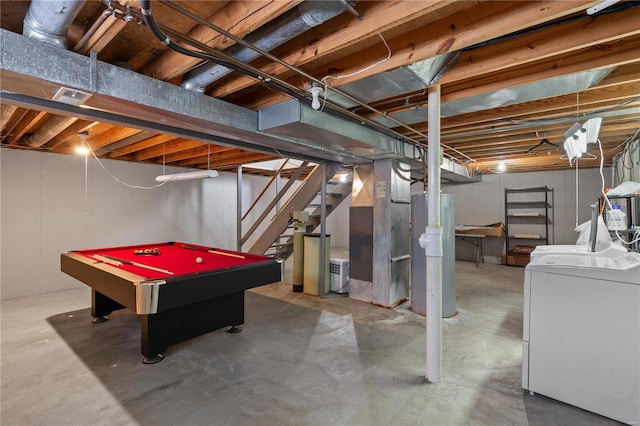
[198, 260]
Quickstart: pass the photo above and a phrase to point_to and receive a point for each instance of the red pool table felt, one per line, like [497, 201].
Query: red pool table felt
[174, 257]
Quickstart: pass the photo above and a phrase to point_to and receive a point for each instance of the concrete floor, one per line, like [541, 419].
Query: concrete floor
[300, 360]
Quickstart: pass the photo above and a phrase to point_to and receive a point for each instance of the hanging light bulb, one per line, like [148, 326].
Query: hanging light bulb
[315, 96]
[83, 148]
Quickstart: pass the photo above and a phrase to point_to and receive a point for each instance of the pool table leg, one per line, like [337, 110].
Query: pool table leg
[102, 306]
[166, 328]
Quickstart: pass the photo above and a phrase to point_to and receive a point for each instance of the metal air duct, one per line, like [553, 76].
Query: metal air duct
[48, 20]
[305, 16]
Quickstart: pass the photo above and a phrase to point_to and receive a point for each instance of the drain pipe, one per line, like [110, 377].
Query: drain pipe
[305, 16]
[49, 20]
[431, 241]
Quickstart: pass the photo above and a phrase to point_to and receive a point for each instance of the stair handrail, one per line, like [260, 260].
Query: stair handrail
[273, 203]
[264, 190]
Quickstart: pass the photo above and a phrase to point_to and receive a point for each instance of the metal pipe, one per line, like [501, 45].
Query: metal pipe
[239, 208]
[328, 105]
[49, 20]
[322, 275]
[91, 31]
[434, 234]
[294, 22]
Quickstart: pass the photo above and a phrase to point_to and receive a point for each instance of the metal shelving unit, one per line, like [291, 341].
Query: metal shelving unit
[631, 206]
[527, 222]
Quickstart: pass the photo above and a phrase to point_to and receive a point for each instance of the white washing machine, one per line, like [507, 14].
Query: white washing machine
[581, 337]
[609, 249]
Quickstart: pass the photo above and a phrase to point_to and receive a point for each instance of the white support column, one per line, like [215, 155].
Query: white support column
[433, 234]
[239, 209]
[322, 274]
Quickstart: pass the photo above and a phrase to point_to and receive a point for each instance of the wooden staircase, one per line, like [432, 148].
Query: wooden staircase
[276, 239]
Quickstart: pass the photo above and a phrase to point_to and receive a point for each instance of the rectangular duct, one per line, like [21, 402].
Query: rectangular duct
[562, 85]
[293, 119]
[395, 82]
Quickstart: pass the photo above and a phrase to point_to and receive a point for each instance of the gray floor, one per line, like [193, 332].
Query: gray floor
[300, 360]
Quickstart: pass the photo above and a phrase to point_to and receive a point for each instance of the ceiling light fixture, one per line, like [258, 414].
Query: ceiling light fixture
[501, 167]
[200, 174]
[70, 96]
[82, 150]
[315, 95]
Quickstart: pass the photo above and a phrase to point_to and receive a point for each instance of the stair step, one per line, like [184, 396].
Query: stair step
[281, 245]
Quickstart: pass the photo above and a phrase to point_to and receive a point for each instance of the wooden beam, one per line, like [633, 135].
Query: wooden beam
[484, 22]
[202, 152]
[170, 147]
[340, 35]
[147, 142]
[616, 53]
[69, 132]
[551, 42]
[12, 121]
[228, 157]
[114, 134]
[27, 123]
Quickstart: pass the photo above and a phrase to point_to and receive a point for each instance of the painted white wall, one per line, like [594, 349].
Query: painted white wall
[45, 213]
[482, 203]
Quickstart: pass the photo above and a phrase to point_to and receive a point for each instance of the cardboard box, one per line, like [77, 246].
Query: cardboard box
[516, 259]
[492, 230]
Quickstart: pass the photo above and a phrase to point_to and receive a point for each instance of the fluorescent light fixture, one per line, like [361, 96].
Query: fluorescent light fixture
[592, 126]
[200, 174]
[273, 165]
[579, 135]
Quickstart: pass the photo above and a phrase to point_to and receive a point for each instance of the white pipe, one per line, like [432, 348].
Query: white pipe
[433, 251]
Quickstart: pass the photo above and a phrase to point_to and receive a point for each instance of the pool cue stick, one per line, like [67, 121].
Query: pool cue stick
[106, 260]
[214, 251]
[138, 264]
[221, 253]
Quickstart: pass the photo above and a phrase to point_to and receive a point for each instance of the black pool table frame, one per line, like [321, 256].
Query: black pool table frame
[173, 309]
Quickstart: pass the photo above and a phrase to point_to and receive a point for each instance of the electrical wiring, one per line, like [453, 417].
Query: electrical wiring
[636, 236]
[286, 87]
[623, 162]
[367, 68]
[118, 179]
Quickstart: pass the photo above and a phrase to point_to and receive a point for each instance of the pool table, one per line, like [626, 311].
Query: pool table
[178, 290]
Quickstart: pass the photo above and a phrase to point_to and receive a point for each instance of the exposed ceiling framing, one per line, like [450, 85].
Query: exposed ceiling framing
[494, 106]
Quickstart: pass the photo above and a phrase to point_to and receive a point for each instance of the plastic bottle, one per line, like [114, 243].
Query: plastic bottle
[616, 219]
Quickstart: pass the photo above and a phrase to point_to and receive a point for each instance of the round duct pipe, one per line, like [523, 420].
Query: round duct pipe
[305, 16]
[48, 20]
